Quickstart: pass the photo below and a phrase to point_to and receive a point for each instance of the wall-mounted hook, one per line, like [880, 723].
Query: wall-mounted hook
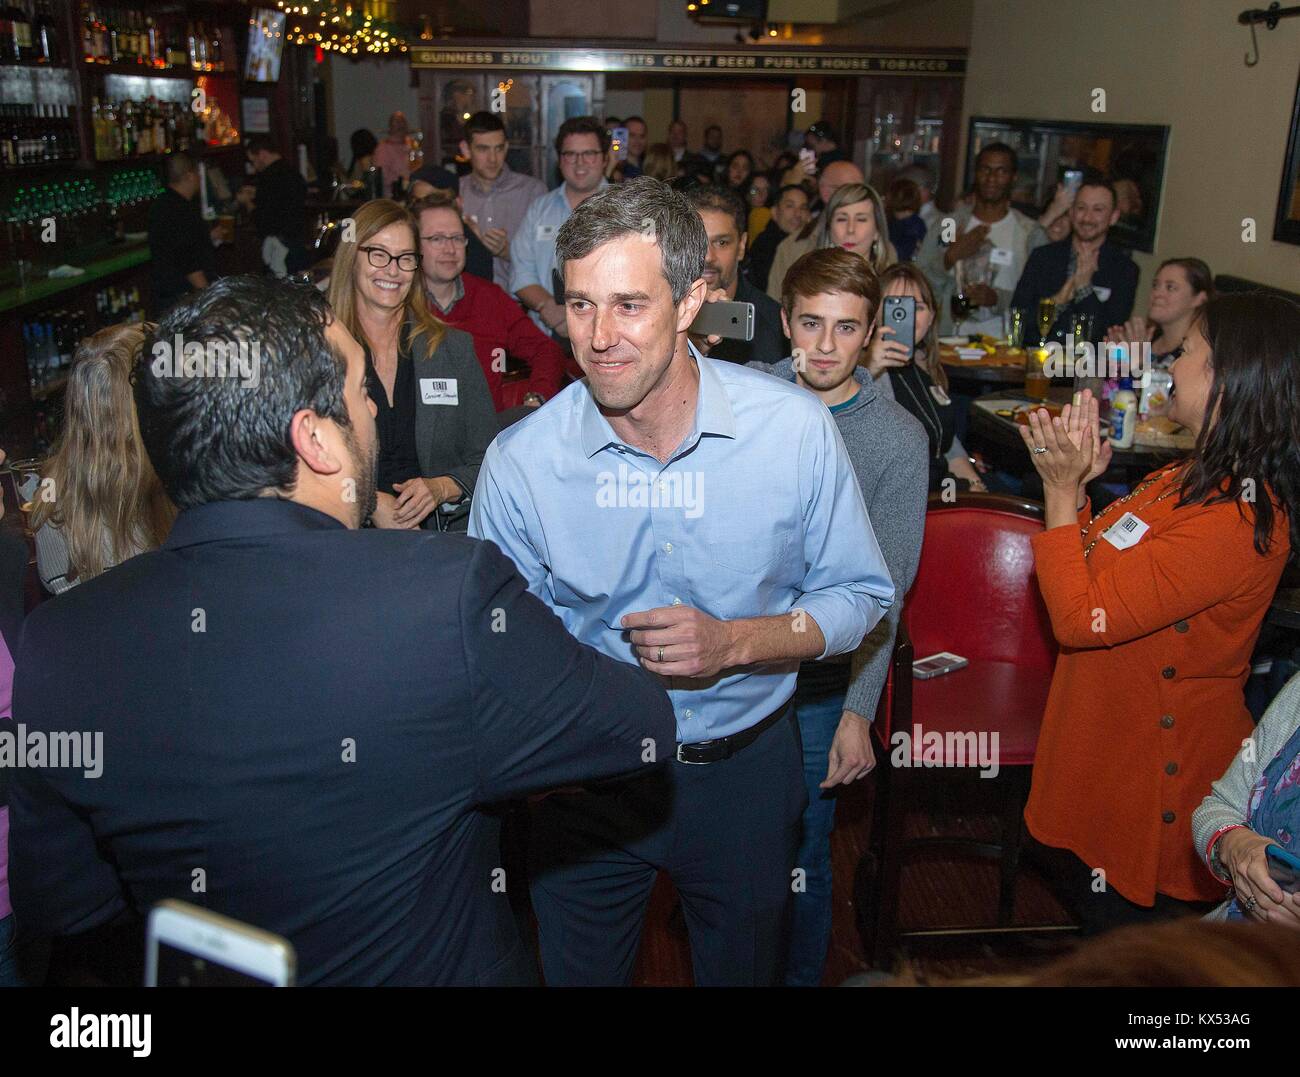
[1270, 18]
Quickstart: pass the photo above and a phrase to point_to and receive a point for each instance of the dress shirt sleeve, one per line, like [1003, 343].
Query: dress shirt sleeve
[525, 252]
[59, 881]
[1228, 803]
[846, 587]
[1167, 577]
[498, 516]
[549, 711]
[898, 506]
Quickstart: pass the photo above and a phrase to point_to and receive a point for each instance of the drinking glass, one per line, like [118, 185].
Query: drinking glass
[1046, 318]
[1036, 379]
[1013, 326]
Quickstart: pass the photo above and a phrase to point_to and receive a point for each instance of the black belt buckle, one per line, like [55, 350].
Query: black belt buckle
[725, 747]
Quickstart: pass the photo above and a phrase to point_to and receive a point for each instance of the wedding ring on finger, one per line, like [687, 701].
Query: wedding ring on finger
[660, 657]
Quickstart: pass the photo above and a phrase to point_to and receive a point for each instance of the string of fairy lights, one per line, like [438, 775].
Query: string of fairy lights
[344, 28]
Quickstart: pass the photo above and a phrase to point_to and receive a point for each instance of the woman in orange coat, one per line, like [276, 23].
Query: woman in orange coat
[1157, 602]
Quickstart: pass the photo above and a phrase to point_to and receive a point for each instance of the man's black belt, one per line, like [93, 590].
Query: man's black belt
[714, 751]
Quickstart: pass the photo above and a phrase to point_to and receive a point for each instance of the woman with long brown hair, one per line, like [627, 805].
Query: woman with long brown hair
[435, 417]
[1157, 602]
[918, 381]
[99, 501]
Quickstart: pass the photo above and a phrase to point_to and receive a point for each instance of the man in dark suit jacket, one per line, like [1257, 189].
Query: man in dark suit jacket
[724, 216]
[1085, 273]
[301, 723]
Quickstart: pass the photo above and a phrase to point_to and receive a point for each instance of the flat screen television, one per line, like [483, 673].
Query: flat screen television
[265, 45]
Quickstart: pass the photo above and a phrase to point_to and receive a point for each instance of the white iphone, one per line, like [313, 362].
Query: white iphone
[192, 947]
[936, 665]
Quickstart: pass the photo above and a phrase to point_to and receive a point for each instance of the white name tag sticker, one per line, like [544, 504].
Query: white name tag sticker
[1126, 531]
[546, 233]
[1000, 256]
[1101, 292]
[438, 391]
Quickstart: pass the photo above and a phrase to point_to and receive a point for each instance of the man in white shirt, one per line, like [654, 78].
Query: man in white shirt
[983, 252]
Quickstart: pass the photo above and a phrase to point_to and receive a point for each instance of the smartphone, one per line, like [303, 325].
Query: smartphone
[1073, 177]
[808, 160]
[1283, 868]
[899, 313]
[191, 947]
[731, 321]
[619, 146]
[936, 665]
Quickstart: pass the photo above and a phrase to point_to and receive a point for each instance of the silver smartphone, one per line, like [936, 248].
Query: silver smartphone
[731, 321]
[187, 946]
[936, 665]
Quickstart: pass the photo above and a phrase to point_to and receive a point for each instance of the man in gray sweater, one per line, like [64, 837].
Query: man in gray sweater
[829, 306]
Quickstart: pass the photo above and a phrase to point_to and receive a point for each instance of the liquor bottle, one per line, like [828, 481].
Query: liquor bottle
[201, 45]
[22, 34]
[45, 36]
[215, 54]
[176, 47]
[154, 41]
[192, 46]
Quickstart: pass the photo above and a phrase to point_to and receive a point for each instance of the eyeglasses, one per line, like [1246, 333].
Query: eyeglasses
[586, 156]
[381, 259]
[457, 239]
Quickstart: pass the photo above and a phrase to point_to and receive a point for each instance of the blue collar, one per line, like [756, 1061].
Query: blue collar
[713, 414]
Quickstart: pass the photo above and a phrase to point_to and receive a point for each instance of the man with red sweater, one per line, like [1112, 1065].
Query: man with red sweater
[498, 324]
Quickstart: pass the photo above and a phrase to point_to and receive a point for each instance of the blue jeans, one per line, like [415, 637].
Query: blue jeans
[810, 921]
[8, 955]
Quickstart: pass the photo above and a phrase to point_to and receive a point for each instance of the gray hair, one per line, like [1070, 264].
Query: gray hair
[645, 207]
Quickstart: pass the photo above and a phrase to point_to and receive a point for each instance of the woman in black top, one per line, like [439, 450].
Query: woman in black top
[919, 383]
[433, 411]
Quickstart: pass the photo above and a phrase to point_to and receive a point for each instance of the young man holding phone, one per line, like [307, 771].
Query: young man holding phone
[830, 304]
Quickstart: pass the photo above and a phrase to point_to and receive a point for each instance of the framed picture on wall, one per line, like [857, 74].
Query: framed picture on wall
[1286, 229]
[1131, 156]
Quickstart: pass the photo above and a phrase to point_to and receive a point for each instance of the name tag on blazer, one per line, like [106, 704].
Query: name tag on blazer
[546, 233]
[999, 256]
[1125, 532]
[438, 391]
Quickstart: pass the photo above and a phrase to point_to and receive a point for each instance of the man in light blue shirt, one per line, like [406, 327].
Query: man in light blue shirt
[583, 146]
[704, 520]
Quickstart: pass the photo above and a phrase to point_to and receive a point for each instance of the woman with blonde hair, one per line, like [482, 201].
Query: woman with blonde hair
[854, 220]
[658, 162]
[911, 373]
[99, 501]
[434, 412]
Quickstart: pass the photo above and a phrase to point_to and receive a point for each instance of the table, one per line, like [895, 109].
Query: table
[1150, 447]
[1003, 367]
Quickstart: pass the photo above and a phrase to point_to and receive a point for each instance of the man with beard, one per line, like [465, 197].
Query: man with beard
[703, 520]
[723, 214]
[831, 301]
[1085, 273]
[983, 253]
[308, 718]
